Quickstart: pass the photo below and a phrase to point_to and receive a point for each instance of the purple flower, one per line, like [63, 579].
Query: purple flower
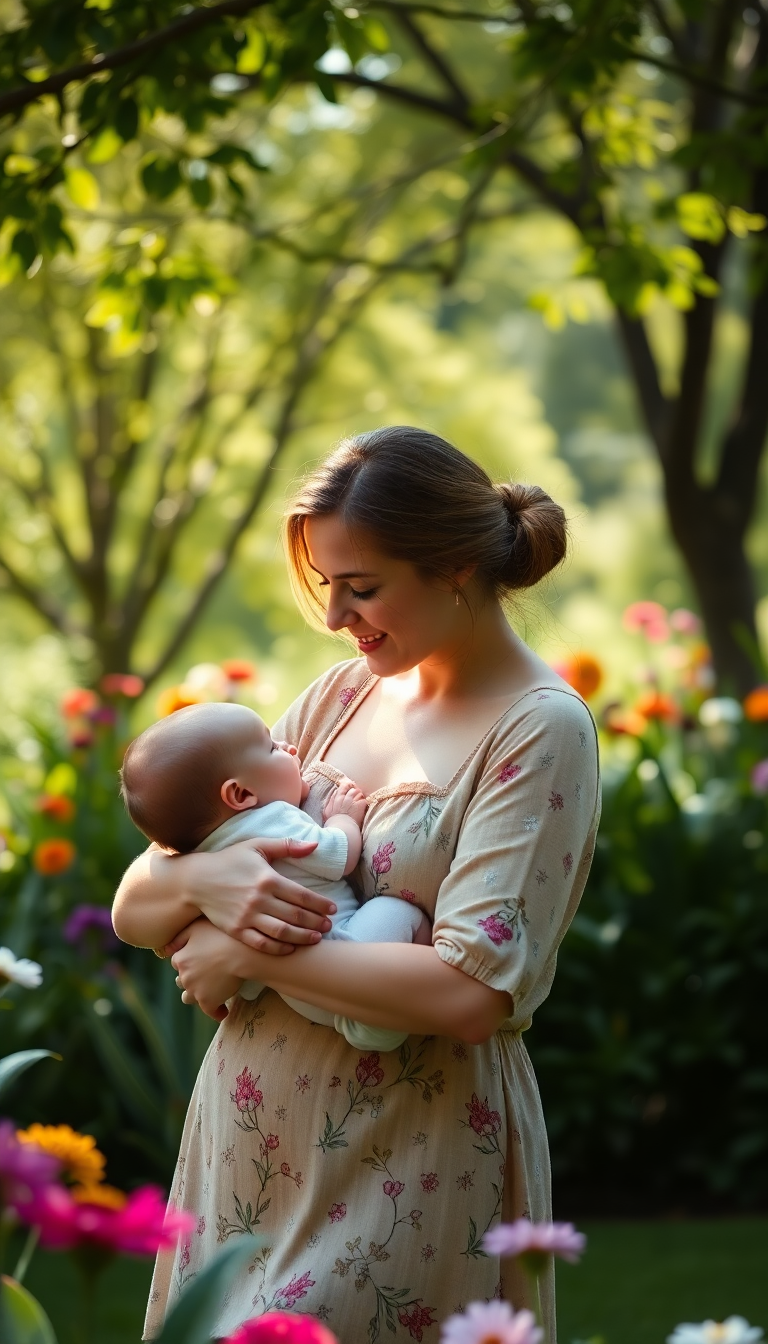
[485, 1321]
[25, 1171]
[382, 859]
[534, 1241]
[90, 919]
[497, 930]
[759, 777]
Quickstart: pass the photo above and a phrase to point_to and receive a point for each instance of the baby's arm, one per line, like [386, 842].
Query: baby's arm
[344, 811]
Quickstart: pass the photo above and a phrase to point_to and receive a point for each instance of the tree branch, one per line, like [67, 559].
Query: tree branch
[653, 404]
[40, 601]
[181, 28]
[432, 57]
[400, 93]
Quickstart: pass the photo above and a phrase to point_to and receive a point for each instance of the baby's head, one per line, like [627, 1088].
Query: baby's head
[188, 773]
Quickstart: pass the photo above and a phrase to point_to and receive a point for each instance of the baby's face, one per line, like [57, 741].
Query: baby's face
[269, 769]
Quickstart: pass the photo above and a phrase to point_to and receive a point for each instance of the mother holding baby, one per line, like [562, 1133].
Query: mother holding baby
[372, 1177]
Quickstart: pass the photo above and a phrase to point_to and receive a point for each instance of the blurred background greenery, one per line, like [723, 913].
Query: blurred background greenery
[221, 260]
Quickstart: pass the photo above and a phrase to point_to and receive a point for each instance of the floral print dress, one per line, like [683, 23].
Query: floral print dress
[367, 1180]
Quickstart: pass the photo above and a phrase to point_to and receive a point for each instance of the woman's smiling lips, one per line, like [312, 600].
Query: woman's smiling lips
[368, 643]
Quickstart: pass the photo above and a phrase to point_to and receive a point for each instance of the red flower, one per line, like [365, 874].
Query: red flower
[483, 1120]
[429, 1181]
[416, 1319]
[393, 1188]
[347, 694]
[510, 772]
[78, 701]
[408, 895]
[56, 806]
[54, 856]
[382, 859]
[273, 1141]
[337, 1212]
[237, 669]
[122, 683]
[497, 930]
[285, 1169]
[369, 1072]
[247, 1095]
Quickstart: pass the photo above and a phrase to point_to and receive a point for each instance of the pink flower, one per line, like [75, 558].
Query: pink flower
[647, 618]
[484, 1322]
[509, 772]
[142, 1227]
[277, 1327]
[497, 930]
[273, 1141]
[285, 1169]
[185, 1256]
[347, 695]
[200, 1225]
[416, 1319]
[393, 1188]
[337, 1212]
[567, 862]
[25, 1171]
[408, 895]
[247, 1095]
[556, 802]
[483, 1120]
[429, 1181]
[759, 777]
[685, 622]
[368, 1071]
[535, 1241]
[298, 1287]
[382, 859]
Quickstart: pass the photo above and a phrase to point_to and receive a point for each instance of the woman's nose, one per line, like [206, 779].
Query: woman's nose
[338, 616]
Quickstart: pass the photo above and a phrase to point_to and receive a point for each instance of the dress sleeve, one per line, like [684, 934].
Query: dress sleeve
[524, 848]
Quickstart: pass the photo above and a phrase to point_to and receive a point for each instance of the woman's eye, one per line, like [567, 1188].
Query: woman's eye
[362, 597]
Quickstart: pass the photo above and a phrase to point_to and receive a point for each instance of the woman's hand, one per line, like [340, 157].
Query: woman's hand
[245, 898]
[204, 957]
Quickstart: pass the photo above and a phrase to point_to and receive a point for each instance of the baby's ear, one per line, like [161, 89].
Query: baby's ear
[238, 796]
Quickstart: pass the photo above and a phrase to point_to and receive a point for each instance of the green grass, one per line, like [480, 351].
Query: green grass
[637, 1281]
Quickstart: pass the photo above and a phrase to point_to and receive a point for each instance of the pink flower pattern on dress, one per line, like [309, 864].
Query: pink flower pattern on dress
[247, 1095]
[510, 771]
[482, 1119]
[507, 923]
[347, 695]
[429, 1182]
[407, 895]
[381, 863]
[556, 802]
[337, 1212]
[416, 1319]
[567, 863]
[393, 1188]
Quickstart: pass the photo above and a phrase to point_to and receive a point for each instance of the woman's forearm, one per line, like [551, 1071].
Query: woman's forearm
[402, 986]
[151, 904]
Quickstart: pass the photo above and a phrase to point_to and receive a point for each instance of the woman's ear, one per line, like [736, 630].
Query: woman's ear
[237, 796]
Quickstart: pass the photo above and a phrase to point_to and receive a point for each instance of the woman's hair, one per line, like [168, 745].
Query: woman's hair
[418, 498]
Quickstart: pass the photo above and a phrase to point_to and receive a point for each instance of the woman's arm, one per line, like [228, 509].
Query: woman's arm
[235, 888]
[363, 981]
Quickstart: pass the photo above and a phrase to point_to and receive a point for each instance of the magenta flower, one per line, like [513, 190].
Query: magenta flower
[298, 1287]
[393, 1188]
[483, 1120]
[337, 1212]
[535, 1241]
[273, 1142]
[247, 1095]
[369, 1072]
[88, 921]
[509, 772]
[484, 1322]
[276, 1327]
[416, 1319]
[25, 1171]
[647, 618]
[759, 777]
[382, 859]
[142, 1227]
[497, 930]
[685, 622]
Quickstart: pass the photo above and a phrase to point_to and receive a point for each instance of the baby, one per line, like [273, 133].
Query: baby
[210, 775]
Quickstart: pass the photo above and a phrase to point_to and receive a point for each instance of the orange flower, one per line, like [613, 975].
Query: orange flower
[657, 705]
[122, 683]
[105, 1196]
[54, 856]
[583, 673]
[175, 697]
[78, 701]
[237, 669]
[756, 704]
[625, 721]
[56, 805]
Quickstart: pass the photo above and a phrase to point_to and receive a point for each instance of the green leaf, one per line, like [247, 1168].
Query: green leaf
[13, 1065]
[105, 146]
[700, 216]
[22, 1319]
[127, 118]
[252, 56]
[82, 188]
[24, 245]
[191, 1321]
[161, 177]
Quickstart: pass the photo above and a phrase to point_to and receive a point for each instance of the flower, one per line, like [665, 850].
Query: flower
[368, 1070]
[247, 1095]
[719, 709]
[24, 1169]
[54, 856]
[393, 1188]
[122, 683]
[756, 705]
[416, 1319]
[734, 1330]
[19, 971]
[583, 672]
[57, 806]
[684, 622]
[142, 1226]
[78, 1155]
[491, 1323]
[759, 777]
[78, 702]
[497, 930]
[483, 1120]
[278, 1327]
[382, 859]
[624, 721]
[647, 618]
[173, 698]
[337, 1212]
[536, 1241]
[86, 920]
[509, 771]
[237, 669]
[105, 1196]
[657, 705]
[272, 1141]
[207, 681]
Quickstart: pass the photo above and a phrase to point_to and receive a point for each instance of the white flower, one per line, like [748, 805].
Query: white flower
[19, 970]
[720, 709]
[491, 1323]
[733, 1331]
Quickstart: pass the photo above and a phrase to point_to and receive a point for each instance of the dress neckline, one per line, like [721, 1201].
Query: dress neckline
[414, 786]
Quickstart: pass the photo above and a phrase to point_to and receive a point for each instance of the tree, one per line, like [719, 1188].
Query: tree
[539, 104]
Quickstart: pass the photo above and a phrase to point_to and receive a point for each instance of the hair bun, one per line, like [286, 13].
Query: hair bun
[539, 534]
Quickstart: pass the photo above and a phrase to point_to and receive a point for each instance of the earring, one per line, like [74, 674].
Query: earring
[457, 596]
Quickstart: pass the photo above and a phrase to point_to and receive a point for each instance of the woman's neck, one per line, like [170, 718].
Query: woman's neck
[488, 660]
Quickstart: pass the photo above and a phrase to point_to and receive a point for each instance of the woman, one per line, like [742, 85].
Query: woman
[371, 1179]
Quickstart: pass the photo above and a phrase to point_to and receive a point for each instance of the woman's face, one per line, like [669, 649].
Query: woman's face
[397, 617]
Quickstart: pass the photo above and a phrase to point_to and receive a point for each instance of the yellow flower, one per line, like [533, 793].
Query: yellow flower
[105, 1196]
[80, 1158]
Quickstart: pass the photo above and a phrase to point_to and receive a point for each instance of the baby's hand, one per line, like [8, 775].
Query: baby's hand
[346, 801]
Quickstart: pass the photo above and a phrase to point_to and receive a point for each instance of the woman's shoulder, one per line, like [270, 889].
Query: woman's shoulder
[548, 712]
[316, 710]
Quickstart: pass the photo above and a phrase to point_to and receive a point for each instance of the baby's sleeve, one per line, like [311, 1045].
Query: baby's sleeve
[279, 821]
[523, 849]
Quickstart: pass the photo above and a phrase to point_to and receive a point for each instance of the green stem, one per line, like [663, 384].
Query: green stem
[28, 1250]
